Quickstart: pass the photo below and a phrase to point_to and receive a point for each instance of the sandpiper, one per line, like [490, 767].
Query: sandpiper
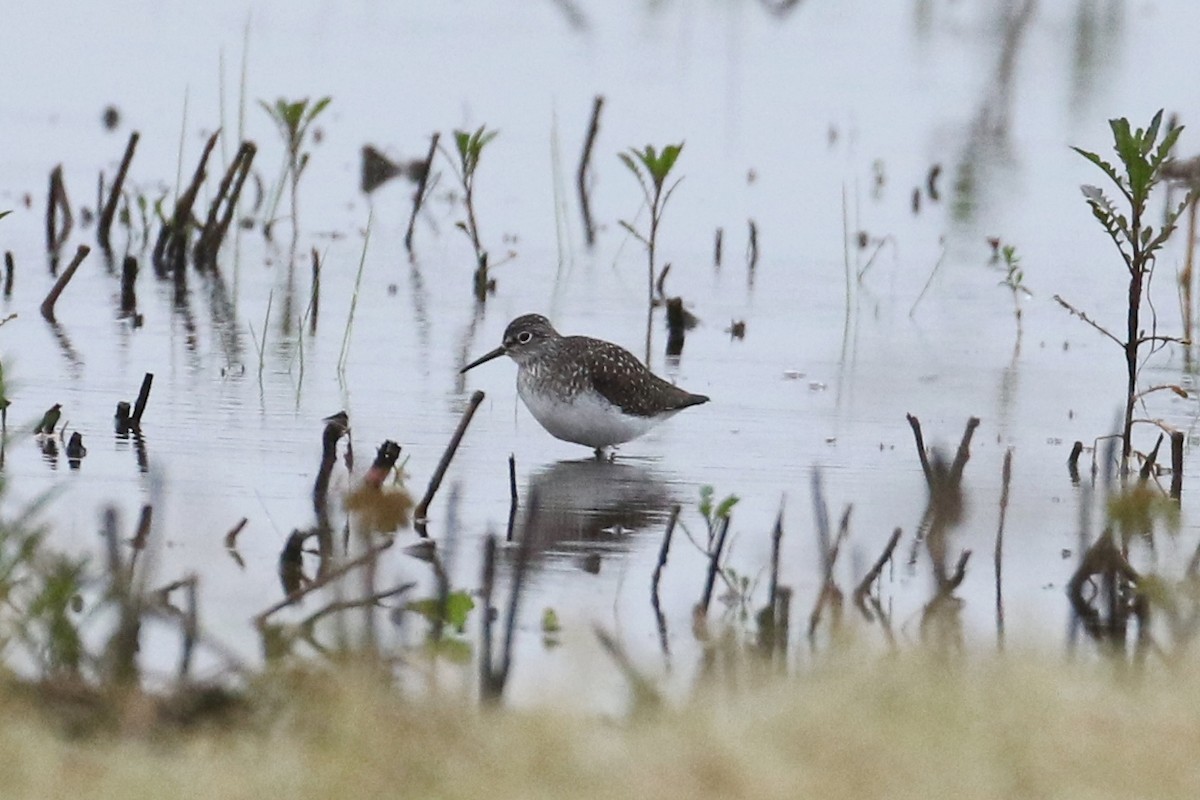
[585, 390]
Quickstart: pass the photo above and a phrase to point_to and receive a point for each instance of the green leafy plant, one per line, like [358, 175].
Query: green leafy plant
[652, 170]
[292, 119]
[4, 214]
[1142, 154]
[469, 147]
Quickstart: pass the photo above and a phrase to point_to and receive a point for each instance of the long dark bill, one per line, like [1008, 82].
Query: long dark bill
[499, 351]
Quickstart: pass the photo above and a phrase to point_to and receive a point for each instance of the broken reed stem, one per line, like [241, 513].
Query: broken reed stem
[916, 429]
[9, 268]
[512, 496]
[129, 271]
[419, 196]
[864, 586]
[714, 560]
[585, 158]
[60, 284]
[964, 452]
[717, 246]
[322, 580]
[109, 211]
[1177, 462]
[170, 250]
[143, 397]
[223, 206]
[1005, 482]
[419, 515]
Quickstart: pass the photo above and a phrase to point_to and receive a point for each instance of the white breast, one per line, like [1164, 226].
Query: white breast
[586, 419]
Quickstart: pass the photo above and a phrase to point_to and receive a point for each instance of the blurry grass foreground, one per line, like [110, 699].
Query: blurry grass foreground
[907, 726]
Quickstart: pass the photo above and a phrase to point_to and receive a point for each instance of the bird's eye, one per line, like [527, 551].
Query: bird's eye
[524, 337]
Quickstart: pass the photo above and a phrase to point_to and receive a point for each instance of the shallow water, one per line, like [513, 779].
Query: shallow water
[812, 124]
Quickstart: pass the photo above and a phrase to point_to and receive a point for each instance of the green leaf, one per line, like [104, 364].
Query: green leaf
[4, 214]
[726, 506]
[628, 162]
[458, 606]
[706, 497]
[550, 623]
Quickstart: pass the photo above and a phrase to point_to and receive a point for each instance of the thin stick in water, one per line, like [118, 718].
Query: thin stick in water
[143, 397]
[419, 195]
[60, 284]
[419, 515]
[114, 195]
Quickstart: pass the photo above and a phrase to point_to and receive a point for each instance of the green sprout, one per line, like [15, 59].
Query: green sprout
[651, 168]
[469, 146]
[292, 119]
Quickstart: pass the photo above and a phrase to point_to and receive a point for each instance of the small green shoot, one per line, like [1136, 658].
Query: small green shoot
[292, 119]
[652, 170]
[1014, 278]
[469, 146]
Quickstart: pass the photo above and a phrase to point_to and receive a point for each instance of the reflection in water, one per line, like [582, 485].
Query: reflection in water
[590, 506]
[987, 143]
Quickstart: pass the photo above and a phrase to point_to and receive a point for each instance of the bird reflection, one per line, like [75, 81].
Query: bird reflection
[589, 508]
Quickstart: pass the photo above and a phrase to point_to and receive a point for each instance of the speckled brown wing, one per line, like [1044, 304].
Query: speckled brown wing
[622, 380]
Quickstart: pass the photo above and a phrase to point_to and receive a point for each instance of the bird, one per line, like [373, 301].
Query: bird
[584, 390]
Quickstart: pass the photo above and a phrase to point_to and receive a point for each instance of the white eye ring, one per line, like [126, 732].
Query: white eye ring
[524, 337]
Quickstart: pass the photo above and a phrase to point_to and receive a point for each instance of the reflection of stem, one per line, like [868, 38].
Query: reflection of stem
[1005, 480]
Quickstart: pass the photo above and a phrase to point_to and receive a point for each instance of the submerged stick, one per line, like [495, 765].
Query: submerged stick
[60, 284]
[419, 196]
[314, 299]
[585, 158]
[419, 515]
[114, 195]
